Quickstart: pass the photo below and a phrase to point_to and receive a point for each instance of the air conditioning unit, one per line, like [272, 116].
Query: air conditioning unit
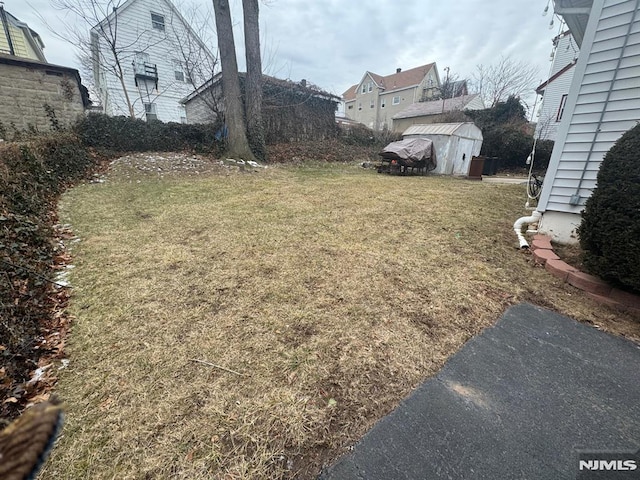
[150, 111]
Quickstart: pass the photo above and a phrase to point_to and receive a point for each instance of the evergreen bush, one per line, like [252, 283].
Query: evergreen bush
[610, 228]
[125, 134]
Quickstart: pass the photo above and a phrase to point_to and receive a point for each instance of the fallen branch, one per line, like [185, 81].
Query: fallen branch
[218, 367]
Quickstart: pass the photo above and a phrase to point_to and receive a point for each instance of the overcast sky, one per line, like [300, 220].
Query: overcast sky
[331, 43]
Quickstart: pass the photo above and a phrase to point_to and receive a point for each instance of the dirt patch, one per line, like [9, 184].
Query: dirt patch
[571, 254]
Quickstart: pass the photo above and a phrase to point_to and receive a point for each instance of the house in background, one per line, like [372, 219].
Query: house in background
[555, 90]
[18, 40]
[603, 103]
[290, 110]
[376, 99]
[160, 60]
[30, 88]
[431, 111]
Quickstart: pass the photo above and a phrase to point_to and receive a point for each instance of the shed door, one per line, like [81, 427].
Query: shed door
[462, 159]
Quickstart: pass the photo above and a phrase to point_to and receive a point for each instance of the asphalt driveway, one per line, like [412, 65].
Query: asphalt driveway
[528, 398]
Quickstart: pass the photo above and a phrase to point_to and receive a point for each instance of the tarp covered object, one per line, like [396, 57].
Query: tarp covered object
[412, 152]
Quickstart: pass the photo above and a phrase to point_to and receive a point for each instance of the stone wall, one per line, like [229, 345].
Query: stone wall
[25, 87]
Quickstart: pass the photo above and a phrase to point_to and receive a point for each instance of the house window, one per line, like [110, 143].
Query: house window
[372, 104]
[563, 102]
[383, 102]
[360, 106]
[157, 21]
[396, 100]
[150, 111]
[370, 87]
[178, 71]
[364, 88]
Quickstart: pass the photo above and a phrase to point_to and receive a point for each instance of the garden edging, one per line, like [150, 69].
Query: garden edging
[594, 287]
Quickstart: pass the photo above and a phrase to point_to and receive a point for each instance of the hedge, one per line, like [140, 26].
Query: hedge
[125, 134]
[32, 175]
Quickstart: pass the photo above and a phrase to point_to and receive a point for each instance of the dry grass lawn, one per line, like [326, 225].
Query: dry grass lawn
[328, 291]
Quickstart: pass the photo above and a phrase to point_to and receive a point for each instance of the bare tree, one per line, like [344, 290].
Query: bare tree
[496, 82]
[253, 83]
[107, 49]
[101, 16]
[238, 145]
[200, 64]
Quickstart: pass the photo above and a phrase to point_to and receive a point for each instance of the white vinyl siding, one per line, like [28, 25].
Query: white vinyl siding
[602, 105]
[146, 43]
[547, 122]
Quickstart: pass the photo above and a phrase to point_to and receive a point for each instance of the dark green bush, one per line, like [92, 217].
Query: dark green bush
[125, 134]
[610, 228]
[509, 143]
[507, 135]
[543, 154]
[366, 137]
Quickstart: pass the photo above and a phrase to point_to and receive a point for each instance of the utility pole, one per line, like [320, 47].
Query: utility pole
[444, 91]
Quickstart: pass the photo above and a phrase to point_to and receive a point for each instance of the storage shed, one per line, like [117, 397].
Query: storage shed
[455, 144]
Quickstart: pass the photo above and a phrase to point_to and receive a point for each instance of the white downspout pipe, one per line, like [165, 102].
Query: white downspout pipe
[521, 222]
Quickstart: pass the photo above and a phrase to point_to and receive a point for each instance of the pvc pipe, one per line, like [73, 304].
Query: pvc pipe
[521, 222]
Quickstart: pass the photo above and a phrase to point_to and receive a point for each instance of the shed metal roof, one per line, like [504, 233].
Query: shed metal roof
[468, 128]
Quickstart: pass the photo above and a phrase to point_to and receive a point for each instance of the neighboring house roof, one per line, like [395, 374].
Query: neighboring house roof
[437, 107]
[302, 87]
[35, 64]
[540, 88]
[350, 94]
[395, 81]
[16, 35]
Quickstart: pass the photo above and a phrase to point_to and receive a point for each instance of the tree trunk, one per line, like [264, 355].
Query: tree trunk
[132, 113]
[237, 144]
[253, 84]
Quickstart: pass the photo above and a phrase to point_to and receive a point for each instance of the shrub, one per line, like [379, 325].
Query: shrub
[365, 137]
[32, 175]
[125, 134]
[509, 143]
[610, 228]
[543, 154]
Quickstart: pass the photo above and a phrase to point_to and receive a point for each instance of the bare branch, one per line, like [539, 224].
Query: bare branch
[496, 82]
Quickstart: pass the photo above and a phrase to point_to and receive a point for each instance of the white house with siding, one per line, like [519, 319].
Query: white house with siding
[603, 103]
[161, 59]
[555, 90]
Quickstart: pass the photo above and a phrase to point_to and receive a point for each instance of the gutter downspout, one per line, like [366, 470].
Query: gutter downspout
[521, 222]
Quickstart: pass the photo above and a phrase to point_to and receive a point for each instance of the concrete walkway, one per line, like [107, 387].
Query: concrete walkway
[519, 401]
[511, 180]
